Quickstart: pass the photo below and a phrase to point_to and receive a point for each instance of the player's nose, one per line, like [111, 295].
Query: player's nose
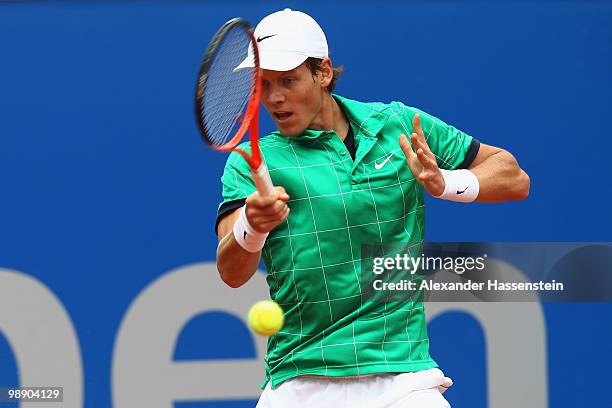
[274, 96]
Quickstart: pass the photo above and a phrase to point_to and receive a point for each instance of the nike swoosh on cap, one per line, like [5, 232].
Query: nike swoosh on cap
[260, 39]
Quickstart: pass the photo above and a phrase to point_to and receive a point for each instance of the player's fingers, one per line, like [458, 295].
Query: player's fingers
[426, 160]
[261, 222]
[278, 217]
[256, 200]
[416, 124]
[427, 178]
[411, 157]
[285, 214]
[269, 222]
[253, 200]
[419, 142]
[406, 147]
[272, 209]
[418, 129]
[278, 207]
[282, 194]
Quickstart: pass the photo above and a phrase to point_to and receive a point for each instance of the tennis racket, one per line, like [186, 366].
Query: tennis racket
[227, 99]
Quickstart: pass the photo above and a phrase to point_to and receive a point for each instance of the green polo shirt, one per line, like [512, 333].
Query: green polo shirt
[313, 259]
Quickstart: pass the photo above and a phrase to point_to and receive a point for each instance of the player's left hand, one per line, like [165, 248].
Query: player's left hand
[421, 160]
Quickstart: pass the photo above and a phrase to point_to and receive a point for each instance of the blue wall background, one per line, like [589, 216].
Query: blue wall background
[106, 186]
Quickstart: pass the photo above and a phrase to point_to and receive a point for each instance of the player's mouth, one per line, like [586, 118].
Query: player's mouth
[282, 117]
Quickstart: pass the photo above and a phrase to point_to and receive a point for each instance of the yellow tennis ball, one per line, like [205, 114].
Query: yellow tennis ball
[266, 317]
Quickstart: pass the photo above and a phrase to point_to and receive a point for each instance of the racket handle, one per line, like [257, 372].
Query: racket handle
[262, 180]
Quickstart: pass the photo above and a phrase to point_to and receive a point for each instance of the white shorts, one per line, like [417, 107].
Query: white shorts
[406, 390]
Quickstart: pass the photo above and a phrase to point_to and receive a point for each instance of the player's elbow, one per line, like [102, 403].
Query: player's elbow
[230, 279]
[519, 181]
[522, 186]
[232, 283]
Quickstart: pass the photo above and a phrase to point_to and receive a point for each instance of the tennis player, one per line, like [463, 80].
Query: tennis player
[347, 173]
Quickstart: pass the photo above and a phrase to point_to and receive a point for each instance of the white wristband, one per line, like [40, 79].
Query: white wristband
[461, 185]
[246, 236]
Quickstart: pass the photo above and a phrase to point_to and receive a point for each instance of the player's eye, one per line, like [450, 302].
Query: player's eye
[288, 81]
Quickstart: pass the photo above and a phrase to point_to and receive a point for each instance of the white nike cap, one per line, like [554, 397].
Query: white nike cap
[285, 39]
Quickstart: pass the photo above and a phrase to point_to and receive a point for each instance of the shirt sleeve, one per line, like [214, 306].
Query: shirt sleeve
[237, 185]
[453, 148]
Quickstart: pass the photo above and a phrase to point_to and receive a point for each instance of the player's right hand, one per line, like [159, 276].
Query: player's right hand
[265, 213]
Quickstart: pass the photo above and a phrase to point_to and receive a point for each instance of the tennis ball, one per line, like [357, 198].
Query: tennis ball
[266, 317]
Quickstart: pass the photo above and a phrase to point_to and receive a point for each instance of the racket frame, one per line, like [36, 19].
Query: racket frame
[250, 121]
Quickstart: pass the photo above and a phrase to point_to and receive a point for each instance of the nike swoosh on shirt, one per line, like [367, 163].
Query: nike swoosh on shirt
[379, 166]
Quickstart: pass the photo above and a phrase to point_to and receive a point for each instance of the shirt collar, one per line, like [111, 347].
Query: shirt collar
[362, 116]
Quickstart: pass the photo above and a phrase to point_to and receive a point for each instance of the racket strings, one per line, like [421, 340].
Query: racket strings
[227, 93]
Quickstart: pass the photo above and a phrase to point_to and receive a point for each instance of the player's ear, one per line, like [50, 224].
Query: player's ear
[327, 72]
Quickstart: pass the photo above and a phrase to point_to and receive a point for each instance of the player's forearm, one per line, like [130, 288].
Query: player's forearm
[237, 262]
[234, 263]
[501, 178]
